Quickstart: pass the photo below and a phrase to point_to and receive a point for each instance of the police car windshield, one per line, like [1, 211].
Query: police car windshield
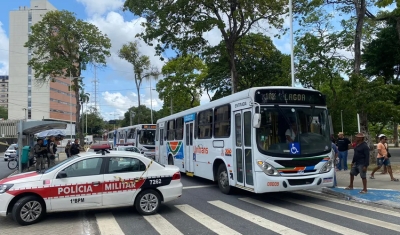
[61, 164]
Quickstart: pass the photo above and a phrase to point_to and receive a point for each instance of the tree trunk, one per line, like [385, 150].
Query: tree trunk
[82, 117]
[396, 134]
[78, 115]
[368, 139]
[360, 12]
[234, 74]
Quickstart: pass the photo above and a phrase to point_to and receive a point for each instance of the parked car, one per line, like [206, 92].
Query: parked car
[11, 152]
[90, 180]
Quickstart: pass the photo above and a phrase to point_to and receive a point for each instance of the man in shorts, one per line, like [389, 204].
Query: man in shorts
[382, 158]
[360, 162]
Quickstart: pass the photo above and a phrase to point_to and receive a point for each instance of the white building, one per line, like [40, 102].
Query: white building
[51, 101]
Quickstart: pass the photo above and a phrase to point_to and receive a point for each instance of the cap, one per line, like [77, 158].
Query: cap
[340, 133]
[360, 135]
[381, 135]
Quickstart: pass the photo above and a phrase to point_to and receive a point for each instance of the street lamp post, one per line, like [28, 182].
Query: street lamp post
[341, 118]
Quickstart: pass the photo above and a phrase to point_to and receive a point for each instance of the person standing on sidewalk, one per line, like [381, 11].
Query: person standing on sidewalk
[75, 148]
[383, 159]
[40, 154]
[360, 162]
[343, 145]
[68, 149]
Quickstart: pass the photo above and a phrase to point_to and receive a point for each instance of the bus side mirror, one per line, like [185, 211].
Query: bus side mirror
[257, 120]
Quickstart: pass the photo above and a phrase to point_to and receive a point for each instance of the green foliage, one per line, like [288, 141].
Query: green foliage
[63, 46]
[182, 24]
[259, 63]
[95, 123]
[143, 112]
[3, 112]
[181, 84]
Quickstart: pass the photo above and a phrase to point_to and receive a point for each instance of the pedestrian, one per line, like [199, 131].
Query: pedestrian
[383, 158]
[51, 151]
[68, 149]
[39, 153]
[360, 162]
[336, 160]
[343, 145]
[75, 148]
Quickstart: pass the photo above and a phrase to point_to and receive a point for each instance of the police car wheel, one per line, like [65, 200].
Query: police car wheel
[28, 210]
[148, 202]
[223, 179]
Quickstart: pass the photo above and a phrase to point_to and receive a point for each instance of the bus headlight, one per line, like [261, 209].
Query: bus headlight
[267, 168]
[327, 167]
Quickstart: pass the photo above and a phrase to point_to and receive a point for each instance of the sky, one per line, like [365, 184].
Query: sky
[116, 89]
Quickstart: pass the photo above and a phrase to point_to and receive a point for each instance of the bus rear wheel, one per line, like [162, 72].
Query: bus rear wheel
[223, 179]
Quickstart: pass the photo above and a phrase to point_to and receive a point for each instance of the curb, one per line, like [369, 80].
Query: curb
[347, 197]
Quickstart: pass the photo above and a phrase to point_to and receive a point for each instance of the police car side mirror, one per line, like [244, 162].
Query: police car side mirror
[257, 120]
[62, 174]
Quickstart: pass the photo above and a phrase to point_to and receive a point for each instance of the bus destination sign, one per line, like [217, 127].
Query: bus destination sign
[289, 96]
[149, 126]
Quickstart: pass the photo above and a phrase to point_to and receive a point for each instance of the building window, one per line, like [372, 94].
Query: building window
[29, 70]
[205, 124]
[29, 114]
[222, 121]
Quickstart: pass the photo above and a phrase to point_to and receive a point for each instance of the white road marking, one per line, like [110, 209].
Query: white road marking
[363, 219]
[161, 225]
[207, 221]
[303, 217]
[357, 205]
[198, 186]
[108, 225]
[258, 220]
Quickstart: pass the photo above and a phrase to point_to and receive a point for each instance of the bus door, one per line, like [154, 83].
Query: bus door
[161, 155]
[189, 157]
[243, 156]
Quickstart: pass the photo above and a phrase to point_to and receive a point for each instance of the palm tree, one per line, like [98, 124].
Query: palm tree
[83, 98]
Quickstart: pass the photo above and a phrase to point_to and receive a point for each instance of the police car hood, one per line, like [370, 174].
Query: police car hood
[19, 178]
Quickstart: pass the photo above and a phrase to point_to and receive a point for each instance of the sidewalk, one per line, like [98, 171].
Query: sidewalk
[381, 191]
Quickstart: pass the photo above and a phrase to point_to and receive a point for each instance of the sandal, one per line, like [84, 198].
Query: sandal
[372, 177]
[348, 188]
[395, 180]
[363, 192]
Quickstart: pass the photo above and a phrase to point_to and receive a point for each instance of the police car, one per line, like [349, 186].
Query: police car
[92, 180]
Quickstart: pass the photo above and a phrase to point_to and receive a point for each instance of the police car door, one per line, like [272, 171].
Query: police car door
[79, 185]
[120, 186]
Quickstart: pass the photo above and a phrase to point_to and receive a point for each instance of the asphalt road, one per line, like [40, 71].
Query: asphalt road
[4, 171]
[203, 209]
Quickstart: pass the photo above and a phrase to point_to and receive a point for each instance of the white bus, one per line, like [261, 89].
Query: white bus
[264, 139]
[109, 137]
[142, 136]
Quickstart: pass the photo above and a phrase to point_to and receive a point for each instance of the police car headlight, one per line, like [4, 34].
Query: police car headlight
[5, 187]
[267, 168]
[327, 167]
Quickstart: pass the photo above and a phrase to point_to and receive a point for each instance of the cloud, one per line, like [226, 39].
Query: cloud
[99, 7]
[4, 42]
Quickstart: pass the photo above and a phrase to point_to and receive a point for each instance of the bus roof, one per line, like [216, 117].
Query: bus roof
[249, 93]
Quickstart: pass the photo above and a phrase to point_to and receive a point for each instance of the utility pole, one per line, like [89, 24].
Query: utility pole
[95, 81]
[171, 105]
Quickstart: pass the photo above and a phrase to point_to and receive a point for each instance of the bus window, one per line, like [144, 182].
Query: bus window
[161, 136]
[171, 130]
[222, 121]
[205, 124]
[179, 129]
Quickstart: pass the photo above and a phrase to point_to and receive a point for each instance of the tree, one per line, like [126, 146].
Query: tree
[182, 24]
[259, 63]
[143, 112]
[95, 122]
[183, 77]
[62, 46]
[141, 66]
[3, 112]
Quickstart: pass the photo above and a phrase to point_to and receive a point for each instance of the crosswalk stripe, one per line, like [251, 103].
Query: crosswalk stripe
[258, 220]
[305, 218]
[206, 220]
[161, 225]
[349, 215]
[349, 203]
[108, 225]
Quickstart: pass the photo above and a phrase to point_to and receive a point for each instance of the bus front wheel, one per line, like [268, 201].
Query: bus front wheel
[223, 179]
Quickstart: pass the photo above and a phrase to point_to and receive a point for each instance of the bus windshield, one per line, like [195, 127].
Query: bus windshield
[147, 137]
[293, 131]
